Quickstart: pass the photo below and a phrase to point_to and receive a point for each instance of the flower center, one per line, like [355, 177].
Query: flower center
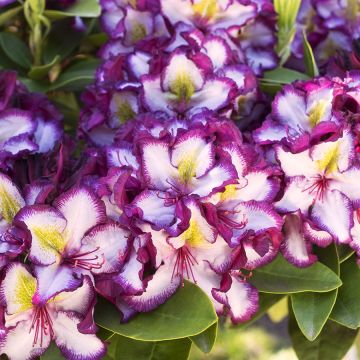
[41, 325]
[86, 260]
[184, 264]
[225, 217]
[318, 186]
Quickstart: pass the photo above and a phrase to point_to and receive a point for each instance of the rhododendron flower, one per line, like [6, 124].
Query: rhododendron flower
[302, 114]
[72, 239]
[29, 123]
[321, 183]
[30, 325]
[197, 189]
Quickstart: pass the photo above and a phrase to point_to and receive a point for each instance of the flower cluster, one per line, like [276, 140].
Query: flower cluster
[314, 137]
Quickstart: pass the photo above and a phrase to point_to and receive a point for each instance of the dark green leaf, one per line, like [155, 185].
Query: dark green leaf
[52, 353]
[344, 252]
[15, 49]
[7, 15]
[206, 340]
[347, 308]
[309, 59]
[62, 40]
[280, 277]
[129, 349]
[33, 85]
[187, 313]
[39, 72]
[333, 342]
[6, 63]
[283, 75]
[76, 77]
[82, 8]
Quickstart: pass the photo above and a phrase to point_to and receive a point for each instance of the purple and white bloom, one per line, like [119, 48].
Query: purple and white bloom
[30, 325]
[321, 187]
[30, 124]
[72, 239]
[302, 115]
[185, 86]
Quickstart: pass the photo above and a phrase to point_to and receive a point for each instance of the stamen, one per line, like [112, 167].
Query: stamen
[223, 216]
[88, 263]
[42, 325]
[319, 187]
[183, 265]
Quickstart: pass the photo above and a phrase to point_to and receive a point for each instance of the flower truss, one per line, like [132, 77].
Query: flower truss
[201, 202]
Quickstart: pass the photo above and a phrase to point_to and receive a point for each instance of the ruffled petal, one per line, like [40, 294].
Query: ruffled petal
[72, 343]
[335, 215]
[47, 227]
[15, 122]
[241, 299]
[82, 211]
[296, 248]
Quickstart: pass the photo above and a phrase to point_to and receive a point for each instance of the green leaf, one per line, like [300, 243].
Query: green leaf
[344, 252]
[287, 12]
[312, 309]
[33, 85]
[52, 353]
[309, 59]
[283, 75]
[333, 342]
[347, 308]
[82, 8]
[15, 49]
[39, 72]
[129, 349]
[9, 14]
[76, 77]
[280, 277]
[61, 41]
[187, 313]
[206, 340]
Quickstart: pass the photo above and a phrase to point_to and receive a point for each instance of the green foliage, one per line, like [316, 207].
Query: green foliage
[280, 277]
[333, 342]
[82, 8]
[347, 308]
[187, 313]
[309, 59]
[312, 309]
[287, 12]
[206, 340]
[15, 49]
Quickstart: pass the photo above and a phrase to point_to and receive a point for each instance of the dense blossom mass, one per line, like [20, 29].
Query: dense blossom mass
[185, 175]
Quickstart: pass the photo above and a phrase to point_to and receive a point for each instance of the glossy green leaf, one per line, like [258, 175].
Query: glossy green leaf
[82, 8]
[15, 49]
[7, 15]
[76, 77]
[206, 340]
[187, 313]
[129, 349]
[333, 342]
[347, 308]
[312, 309]
[280, 277]
[52, 353]
[344, 251]
[39, 72]
[33, 85]
[309, 59]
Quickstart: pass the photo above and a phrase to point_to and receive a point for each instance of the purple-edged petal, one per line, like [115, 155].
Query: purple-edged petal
[52, 280]
[72, 343]
[334, 214]
[15, 122]
[159, 288]
[319, 237]
[82, 211]
[241, 299]
[47, 226]
[47, 134]
[295, 248]
[108, 244]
